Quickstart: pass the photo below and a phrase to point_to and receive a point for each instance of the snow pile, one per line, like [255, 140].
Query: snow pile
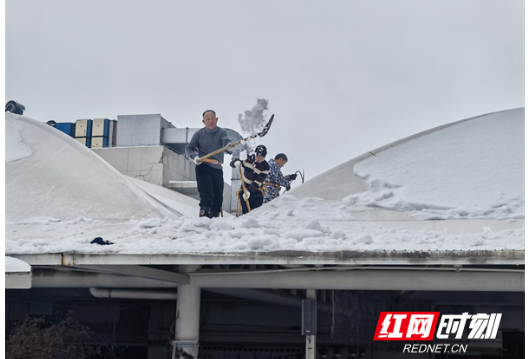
[251, 233]
[287, 208]
[474, 169]
[14, 265]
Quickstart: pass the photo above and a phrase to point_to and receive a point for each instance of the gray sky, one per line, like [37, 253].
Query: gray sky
[342, 77]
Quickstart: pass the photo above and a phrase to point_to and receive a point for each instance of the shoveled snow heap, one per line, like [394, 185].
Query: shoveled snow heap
[251, 233]
[418, 181]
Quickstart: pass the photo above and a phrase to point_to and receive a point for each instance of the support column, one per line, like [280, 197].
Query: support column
[188, 314]
[310, 341]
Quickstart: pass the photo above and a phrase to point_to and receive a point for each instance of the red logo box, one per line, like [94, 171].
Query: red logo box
[406, 326]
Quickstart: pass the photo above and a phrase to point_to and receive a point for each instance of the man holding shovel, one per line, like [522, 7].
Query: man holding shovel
[209, 174]
[254, 172]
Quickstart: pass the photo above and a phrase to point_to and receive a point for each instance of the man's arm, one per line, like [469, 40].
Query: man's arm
[282, 180]
[192, 146]
[225, 140]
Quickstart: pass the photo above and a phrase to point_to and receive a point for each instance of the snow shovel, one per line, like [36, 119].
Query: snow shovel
[244, 188]
[260, 134]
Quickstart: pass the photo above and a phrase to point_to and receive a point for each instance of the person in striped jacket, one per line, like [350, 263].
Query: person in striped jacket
[255, 169]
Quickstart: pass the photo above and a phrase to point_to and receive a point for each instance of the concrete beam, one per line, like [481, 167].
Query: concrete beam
[449, 257]
[56, 279]
[139, 271]
[369, 280]
[17, 280]
[510, 299]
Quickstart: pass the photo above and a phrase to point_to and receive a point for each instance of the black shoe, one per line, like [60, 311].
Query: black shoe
[214, 214]
[205, 212]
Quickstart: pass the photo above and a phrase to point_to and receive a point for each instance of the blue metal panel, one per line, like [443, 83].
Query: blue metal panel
[66, 127]
[89, 130]
[107, 122]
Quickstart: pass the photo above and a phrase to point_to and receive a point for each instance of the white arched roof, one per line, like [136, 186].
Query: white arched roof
[468, 169]
[390, 199]
[51, 175]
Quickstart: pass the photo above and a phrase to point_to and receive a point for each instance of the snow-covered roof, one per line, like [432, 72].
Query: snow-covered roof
[451, 190]
[51, 176]
[472, 168]
[14, 265]
[17, 274]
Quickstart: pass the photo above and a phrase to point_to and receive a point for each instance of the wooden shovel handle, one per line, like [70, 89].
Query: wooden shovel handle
[244, 188]
[222, 149]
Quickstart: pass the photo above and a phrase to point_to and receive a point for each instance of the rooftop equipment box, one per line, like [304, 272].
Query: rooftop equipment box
[141, 130]
[66, 127]
[100, 132]
[112, 127]
[100, 127]
[99, 142]
[85, 141]
[83, 128]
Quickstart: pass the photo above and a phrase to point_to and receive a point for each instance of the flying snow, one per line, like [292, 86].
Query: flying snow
[252, 122]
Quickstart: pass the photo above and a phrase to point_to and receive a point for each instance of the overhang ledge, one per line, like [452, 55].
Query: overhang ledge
[459, 257]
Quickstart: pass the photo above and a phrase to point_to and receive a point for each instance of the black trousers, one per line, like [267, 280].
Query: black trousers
[256, 200]
[210, 183]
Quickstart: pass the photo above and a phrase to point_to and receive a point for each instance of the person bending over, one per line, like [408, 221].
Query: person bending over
[255, 169]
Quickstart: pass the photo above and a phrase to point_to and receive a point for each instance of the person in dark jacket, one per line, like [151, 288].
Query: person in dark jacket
[255, 169]
[209, 173]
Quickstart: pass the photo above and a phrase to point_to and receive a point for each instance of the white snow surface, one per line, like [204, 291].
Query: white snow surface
[14, 265]
[255, 232]
[50, 174]
[474, 169]
[15, 147]
[310, 224]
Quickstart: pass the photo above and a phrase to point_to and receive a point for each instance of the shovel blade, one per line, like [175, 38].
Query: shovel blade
[267, 127]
